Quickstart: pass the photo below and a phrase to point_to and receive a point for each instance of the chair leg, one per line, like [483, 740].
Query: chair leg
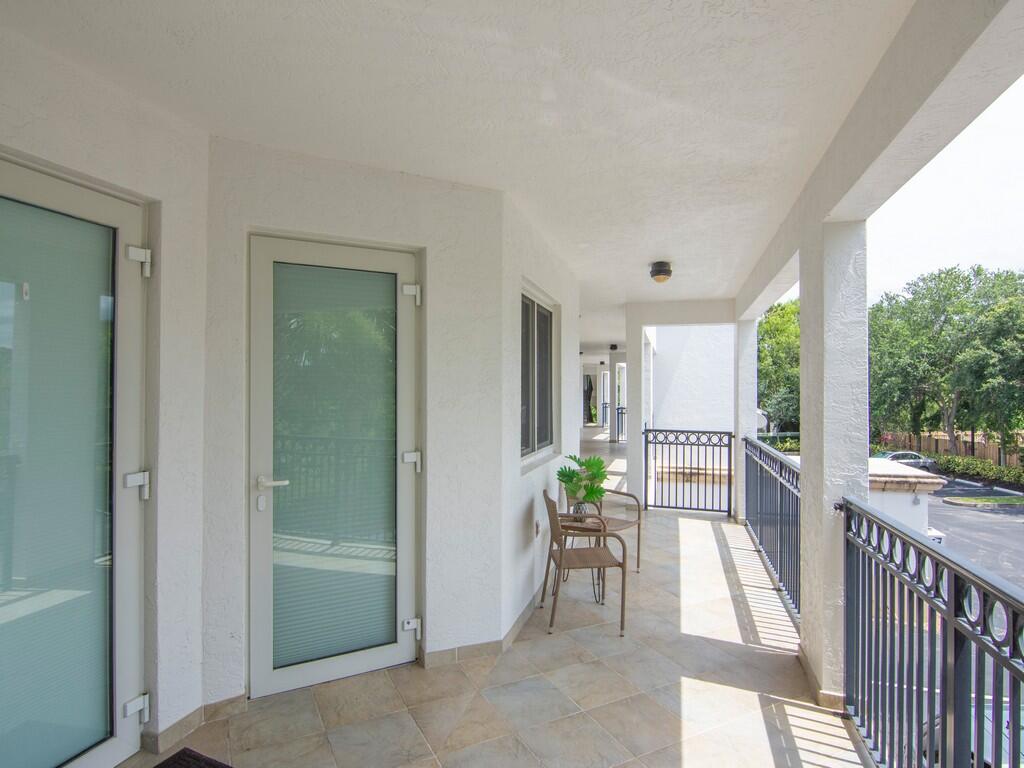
[622, 602]
[554, 600]
[544, 589]
[639, 525]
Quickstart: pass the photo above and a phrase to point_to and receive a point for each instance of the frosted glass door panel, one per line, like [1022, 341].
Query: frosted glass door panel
[56, 331]
[334, 440]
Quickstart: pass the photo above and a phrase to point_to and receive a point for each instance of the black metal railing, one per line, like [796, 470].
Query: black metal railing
[934, 649]
[604, 414]
[620, 423]
[688, 469]
[772, 503]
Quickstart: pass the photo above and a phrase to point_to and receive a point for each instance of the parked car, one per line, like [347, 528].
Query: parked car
[910, 458]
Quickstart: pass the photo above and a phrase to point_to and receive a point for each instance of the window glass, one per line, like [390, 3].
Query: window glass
[544, 431]
[525, 415]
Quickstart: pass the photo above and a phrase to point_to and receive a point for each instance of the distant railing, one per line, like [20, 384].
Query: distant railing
[772, 501]
[620, 423]
[340, 489]
[934, 649]
[604, 414]
[688, 469]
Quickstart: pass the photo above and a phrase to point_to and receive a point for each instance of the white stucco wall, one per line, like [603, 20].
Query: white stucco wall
[53, 110]
[481, 561]
[529, 260]
[459, 230]
[693, 377]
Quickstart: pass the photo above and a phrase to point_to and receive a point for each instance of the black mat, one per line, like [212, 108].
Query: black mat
[187, 758]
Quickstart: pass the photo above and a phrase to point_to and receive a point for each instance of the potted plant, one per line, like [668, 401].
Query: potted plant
[583, 483]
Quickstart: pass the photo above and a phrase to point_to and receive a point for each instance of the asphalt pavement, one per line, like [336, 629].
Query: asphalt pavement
[991, 538]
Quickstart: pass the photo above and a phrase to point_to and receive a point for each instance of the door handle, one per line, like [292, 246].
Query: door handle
[262, 483]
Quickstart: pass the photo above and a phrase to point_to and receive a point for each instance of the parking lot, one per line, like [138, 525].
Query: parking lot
[991, 538]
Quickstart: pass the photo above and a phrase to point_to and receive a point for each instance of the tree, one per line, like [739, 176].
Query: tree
[945, 342]
[994, 363]
[778, 365]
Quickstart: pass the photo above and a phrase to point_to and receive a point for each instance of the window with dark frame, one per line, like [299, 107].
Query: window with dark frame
[536, 426]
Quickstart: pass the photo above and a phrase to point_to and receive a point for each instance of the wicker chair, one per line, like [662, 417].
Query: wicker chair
[612, 501]
[565, 558]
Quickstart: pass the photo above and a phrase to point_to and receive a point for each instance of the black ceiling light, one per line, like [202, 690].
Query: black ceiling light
[661, 271]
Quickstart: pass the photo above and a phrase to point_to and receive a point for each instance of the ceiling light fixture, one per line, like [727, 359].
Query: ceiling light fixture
[661, 271]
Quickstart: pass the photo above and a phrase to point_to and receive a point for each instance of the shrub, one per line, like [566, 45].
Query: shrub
[980, 469]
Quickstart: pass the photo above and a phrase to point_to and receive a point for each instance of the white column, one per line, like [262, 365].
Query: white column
[614, 359]
[635, 406]
[833, 435]
[745, 408]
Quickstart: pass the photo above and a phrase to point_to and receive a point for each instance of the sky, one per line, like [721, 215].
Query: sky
[965, 207]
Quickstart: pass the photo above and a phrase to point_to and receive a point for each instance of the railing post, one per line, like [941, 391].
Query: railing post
[647, 460]
[852, 601]
[956, 680]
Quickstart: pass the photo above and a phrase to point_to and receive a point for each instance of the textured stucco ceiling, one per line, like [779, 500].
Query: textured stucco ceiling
[629, 131]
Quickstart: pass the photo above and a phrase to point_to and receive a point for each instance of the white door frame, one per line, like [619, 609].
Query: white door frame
[264, 250]
[26, 185]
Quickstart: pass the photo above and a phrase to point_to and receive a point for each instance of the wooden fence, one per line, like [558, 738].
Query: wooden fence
[938, 442]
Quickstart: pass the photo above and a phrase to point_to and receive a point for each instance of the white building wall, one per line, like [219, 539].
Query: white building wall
[693, 377]
[482, 562]
[53, 110]
[529, 260]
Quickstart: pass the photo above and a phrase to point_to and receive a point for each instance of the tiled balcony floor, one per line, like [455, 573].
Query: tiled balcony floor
[706, 676]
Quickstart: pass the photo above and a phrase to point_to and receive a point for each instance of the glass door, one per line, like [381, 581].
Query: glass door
[71, 361]
[333, 504]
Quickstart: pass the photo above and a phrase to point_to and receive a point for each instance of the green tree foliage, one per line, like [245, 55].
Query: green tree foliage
[949, 345]
[778, 365]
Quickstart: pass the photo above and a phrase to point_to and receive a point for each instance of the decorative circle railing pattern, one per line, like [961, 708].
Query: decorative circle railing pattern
[934, 649]
[688, 469]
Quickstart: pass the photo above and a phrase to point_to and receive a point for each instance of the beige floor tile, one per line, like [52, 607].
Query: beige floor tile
[550, 652]
[307, 752]
[591, 684]
[576, 606]
[362, 697]
[453, 724]
[510, 667]
[603, 639]
[386, 742]
[275, 719]
[639, 723]
[697, 656]
[703, 705]
[418, 685]
[645, 668]
[210, 739]
[530, 701]
[507, 752]
[768, 679]
[574, 742]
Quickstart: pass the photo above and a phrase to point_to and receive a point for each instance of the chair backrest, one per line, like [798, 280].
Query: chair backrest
[556, 526]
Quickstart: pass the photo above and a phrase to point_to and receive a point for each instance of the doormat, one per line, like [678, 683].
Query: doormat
[187, 758]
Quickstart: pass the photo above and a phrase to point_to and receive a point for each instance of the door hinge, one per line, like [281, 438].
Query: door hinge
[138, 480]
[413, 289]
[138, 704]
[413, 457]
[413, 625]
[144, 256]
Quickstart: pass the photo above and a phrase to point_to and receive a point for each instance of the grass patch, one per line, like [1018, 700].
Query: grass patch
[1017, 501]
